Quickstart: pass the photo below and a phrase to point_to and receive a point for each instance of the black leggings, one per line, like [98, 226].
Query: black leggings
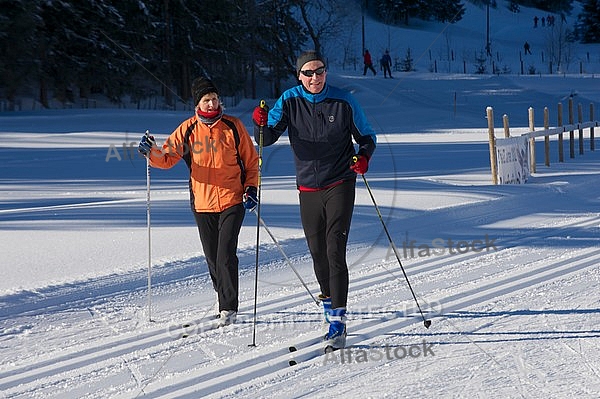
[219, 237]
[326, 217]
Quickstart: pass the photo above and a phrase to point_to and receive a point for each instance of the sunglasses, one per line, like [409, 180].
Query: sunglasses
[310, 72]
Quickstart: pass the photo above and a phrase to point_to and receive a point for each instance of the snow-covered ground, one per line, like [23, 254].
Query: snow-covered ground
[508, 275]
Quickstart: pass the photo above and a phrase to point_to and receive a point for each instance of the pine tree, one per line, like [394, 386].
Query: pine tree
[557, 6]
[481, 63]
[17, 38]
[281, 37]
[588, 22]
[73, 48]
[446, 10]
[400, 11]
[407, 64]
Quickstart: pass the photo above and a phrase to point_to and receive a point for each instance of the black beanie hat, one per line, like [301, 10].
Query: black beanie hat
[307, 56]
[202, 86]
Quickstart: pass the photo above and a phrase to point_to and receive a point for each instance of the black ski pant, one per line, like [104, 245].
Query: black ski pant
[369, 66]
[219, 234]
[387, 70]
[326, 217]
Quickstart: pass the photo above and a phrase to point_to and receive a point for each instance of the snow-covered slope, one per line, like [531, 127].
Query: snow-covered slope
[508, 275]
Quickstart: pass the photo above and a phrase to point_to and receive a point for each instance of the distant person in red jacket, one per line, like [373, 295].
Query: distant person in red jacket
[368, 63]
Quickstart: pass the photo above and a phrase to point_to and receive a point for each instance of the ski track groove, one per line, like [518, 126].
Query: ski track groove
[37, 301]
[367, 332]
[210, 379]
[71, 296]
[116, 348]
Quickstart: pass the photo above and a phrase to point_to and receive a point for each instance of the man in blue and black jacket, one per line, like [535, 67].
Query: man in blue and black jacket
[322, 121]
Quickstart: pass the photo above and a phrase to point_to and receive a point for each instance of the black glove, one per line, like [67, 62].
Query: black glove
[146, 144]
[250, 198]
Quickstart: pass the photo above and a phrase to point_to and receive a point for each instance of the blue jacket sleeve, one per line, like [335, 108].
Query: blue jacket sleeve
[364, 135]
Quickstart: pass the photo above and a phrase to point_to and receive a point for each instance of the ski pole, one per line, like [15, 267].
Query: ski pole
[260, 151]
[426, 322]
[149, 234]
[288, 260]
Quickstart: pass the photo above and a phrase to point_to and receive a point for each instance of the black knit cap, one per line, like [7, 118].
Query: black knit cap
[307, 56]
[202, 86]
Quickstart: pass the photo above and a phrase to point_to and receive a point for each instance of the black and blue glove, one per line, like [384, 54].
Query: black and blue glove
[146, 144]
[250, 198]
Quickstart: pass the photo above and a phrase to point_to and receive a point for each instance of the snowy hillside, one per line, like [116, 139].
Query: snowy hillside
[508, 275]
[454, 48]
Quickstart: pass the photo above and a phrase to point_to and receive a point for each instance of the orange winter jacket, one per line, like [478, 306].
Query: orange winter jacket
[220, 170]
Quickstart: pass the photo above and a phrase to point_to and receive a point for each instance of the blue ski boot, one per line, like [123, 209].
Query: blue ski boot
[336, 336]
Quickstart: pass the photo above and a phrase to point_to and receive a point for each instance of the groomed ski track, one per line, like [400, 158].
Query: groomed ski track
[149, 360]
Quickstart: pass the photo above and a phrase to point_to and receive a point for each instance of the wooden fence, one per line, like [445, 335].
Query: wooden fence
[580, 126]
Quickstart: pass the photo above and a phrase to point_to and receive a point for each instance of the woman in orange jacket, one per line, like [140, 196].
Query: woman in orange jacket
[223, 166]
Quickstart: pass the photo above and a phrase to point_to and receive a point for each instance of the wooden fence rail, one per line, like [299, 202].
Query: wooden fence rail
[546, 132]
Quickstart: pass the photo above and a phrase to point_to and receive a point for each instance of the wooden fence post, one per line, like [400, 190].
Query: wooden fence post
[561, 151]
[547, 132]
[571, 132]
[592, 145]
[492, 140]
[580, 119]
[532, 168]
[546, 137]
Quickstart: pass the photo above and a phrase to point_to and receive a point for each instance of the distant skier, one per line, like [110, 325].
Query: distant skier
[386, 63]
[368, 63]
[527, 48]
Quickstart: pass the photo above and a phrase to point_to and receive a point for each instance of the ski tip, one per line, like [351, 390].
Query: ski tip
[292, 362]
